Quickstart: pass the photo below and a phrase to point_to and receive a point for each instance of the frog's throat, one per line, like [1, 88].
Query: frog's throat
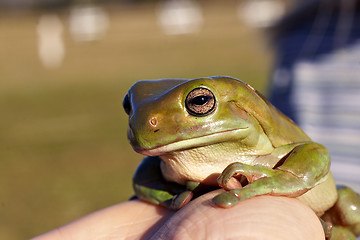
[213, 138]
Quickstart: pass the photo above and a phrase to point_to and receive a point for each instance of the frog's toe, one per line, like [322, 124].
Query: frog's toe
[181, 200]
[339, 233]
[225, 200]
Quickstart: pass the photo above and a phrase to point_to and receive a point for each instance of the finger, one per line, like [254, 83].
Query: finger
[234, 183]
[128, 220]
[264, 217]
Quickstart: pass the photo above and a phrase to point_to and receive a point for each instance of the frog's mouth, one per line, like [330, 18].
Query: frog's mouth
[224, 136]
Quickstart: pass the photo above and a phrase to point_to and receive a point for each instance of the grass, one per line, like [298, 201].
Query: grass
[63, 150]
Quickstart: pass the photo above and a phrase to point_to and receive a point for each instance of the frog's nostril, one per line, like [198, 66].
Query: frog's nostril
[153, 121]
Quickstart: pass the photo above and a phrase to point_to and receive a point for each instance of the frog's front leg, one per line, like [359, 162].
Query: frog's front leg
[150, 186]
[306, 165]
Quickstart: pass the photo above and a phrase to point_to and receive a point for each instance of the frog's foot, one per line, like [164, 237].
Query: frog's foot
[181, 199]
[226, 200]
[344, 215]
[341, 233]
[236, 169]
[233, 196]
[262, 180]
[164, 198]
[149, 185]
[297, 172]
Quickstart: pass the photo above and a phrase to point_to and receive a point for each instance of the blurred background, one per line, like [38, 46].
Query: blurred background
[65, 67]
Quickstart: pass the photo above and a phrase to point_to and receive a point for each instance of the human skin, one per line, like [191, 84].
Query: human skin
[263, 217]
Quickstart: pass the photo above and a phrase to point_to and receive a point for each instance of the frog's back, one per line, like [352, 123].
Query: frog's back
[280, 129]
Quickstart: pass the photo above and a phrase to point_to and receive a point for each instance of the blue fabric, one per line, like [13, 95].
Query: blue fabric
[316, 80]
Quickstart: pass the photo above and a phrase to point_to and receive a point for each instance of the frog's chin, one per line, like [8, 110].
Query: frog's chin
[224, 136]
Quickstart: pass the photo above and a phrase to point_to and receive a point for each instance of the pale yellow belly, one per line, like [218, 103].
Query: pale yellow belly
[321, 197]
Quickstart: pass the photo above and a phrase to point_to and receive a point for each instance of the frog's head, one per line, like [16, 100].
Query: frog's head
[172, 114]
[204, 123]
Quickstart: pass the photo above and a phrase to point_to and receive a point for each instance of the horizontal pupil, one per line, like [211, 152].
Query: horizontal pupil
[200, 100]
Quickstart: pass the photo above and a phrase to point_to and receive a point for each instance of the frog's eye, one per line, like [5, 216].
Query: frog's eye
[127, 104]
[200, 102]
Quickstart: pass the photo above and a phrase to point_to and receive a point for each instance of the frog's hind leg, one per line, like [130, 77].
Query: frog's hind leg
[344, 216]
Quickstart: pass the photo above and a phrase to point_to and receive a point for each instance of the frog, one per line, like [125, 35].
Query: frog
[202, 134]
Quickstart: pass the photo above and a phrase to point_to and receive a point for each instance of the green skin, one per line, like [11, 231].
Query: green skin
[195, 144]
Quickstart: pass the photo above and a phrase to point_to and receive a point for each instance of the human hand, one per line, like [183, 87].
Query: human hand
[263, 217]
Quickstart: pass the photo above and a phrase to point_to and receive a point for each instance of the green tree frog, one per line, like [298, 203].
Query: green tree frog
[206, 133]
